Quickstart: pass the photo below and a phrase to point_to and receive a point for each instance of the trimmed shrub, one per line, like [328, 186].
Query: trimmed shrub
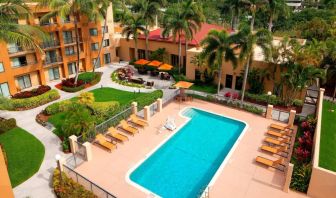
[58, 107]
[73, 89]
[29, 103]
[90, 77]
[5, 103]
[34, 92]
[104, 110]
[149, 98]
[6, 125]
[68, 187]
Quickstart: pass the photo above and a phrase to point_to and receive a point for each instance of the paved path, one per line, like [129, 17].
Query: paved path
[40, 185]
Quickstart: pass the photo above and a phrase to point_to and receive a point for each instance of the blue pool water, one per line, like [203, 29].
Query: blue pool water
[186, 163]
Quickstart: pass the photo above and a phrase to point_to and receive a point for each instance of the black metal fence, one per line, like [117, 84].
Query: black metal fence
[86, 183]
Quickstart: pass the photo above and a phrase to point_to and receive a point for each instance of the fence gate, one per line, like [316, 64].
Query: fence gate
[78, 157]
[311, 96]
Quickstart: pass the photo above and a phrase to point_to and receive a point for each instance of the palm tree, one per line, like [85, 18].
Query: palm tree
[254, 6]
[274, 8]
[235, 5]
[246, 41]
[133, 27]
[179, 23]
[12, 32]
[149, 10]
[65, 8]
[217, 49]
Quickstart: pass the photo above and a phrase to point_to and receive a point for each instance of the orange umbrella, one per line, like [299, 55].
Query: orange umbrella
[165, 67]
[183, 84]
[141, 62]
[155, 63]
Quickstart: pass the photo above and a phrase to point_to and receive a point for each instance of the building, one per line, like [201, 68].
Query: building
[22, 68]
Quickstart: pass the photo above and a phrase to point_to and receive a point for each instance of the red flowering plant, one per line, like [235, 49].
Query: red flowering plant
[235, 96]
[303, 151]
[227, 94]
[70, 82]
[34, 92]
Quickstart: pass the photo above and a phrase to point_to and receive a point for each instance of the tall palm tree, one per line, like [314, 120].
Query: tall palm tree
[132, 28]
[246, 41]
[74, 8]
[254, 6]
[218, 49]
[179, 24]
[149, 10]
[235, 5]
[12, 32]
[275, 7]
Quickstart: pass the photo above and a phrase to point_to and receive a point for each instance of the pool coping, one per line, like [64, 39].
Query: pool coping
[217, 173]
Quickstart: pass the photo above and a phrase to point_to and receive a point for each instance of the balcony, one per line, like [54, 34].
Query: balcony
[50, 44]
[17, 50]
[71, 40]
[52, 60]
[47, 23]
[23, 63]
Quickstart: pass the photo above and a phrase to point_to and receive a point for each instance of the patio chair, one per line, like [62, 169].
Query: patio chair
[101, 140]
[138, 121]
[277, 141]
[170, 124]
[279, 127]
[277, 164]
[280, 134]
[113, 132]
[128, 128]
[278, 150]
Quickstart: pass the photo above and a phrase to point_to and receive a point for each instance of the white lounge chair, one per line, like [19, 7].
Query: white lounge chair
[170, 124]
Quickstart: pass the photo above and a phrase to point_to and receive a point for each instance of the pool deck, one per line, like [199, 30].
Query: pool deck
[240, 177]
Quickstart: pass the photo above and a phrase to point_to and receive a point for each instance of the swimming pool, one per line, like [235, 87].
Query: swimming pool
[186, 163]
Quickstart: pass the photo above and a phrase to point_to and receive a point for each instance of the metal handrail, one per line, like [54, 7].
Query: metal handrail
[48, 44]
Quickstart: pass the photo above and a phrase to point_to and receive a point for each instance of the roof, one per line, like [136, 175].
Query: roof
[184, 84]
[155, 35]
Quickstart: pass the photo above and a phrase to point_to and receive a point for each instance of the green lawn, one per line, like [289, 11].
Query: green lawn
[24, 154]
[212, 89]
[328, 138]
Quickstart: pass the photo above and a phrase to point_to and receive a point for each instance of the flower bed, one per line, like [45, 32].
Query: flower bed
[85, 80]
[34, 92]
[115, 78]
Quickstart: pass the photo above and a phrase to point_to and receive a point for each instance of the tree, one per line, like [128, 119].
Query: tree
[66, 8]
[179, 20]
[275, 7]
[296, 78]
[86, 98]
[256, 78]
[254, 6]
[235, 5]
[246, 41]
[148, 10]
[132, 27]
[217, 49]
[12, 32]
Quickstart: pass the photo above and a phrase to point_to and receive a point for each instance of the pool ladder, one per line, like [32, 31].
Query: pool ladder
[204, 192]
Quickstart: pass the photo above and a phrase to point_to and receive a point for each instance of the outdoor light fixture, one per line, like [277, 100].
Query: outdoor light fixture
[58, 158]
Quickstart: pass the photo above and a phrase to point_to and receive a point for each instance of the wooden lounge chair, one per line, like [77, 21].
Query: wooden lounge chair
[101, 140]
[281, 128]
[277, 164]
[277, 141]
[138, 121]
[279, 134]
[113, 132]
[278, 150]
[128, 128]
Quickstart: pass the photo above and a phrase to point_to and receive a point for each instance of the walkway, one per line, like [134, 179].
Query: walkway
[40, 185]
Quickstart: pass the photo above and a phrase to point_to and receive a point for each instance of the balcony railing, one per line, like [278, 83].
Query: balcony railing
[47, 23]
[17, 49]
[24, 63]
[68, 40]
[49, 44]
[51, 60]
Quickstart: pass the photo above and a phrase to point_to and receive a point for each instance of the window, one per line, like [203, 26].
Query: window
[239, 83]
[54, 73]
[66, 19]
[24, 81]
[107, 58]
[19, 61]
[93, 32]
[51, 57]
[69, 51]
[1, 67]
[72, 68]
[94, 60]
[67, 37]
[174, 60]
[141, 53]
[106, 42]
[105, 29]
[4, 90]
[228, 81]
[94, 46]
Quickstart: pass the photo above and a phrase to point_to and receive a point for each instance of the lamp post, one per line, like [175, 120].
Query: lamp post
[134, 91]
[58, 158]
[269, 94]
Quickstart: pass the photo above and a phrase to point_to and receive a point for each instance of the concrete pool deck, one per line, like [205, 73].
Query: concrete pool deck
[240, 177]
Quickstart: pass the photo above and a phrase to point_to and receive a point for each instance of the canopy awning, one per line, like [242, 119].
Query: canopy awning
[165, 67]
[183, 84]
[141, 62]
[155, 63]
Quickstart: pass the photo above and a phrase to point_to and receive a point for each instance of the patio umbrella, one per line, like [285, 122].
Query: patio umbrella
[155, 63]
[141, 62]
[183, 85]
[165, 67]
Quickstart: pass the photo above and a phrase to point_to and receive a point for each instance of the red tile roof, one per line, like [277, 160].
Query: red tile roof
[155, 35]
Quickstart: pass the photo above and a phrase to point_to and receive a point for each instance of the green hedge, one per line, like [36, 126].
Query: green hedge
[58, 107]
[104, 110]
[69, 188]
[90, 77]
[149, 98]
[29, 103]
[273, 100]
[6, 125]
[73, 89]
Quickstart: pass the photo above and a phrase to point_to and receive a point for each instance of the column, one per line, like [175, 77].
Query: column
[291, 118]
[72, 142]
[134, 107]
[269, 111]
[88, 151]
[146, 113]
[159, 104]
[288, 178]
